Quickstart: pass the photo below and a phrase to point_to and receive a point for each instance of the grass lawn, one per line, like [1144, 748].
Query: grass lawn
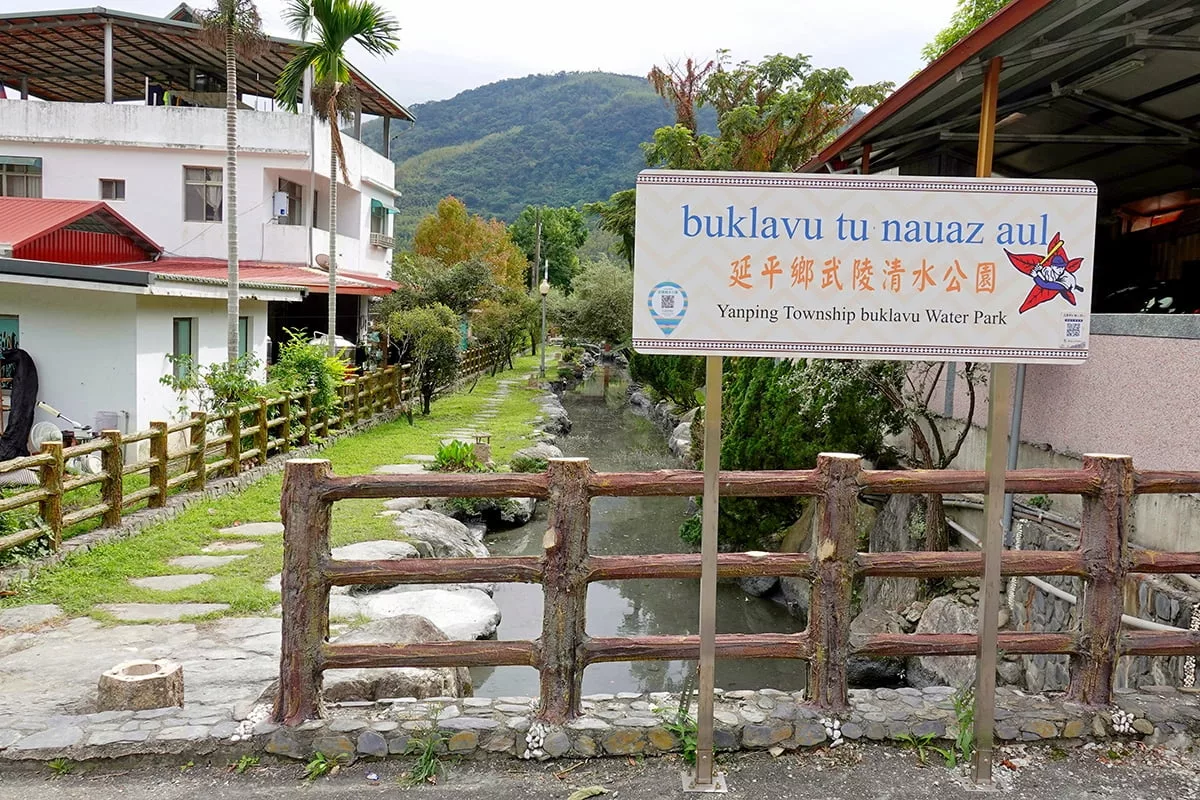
[102, 574]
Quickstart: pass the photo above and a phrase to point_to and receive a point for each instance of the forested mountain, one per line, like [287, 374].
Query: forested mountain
[556, 140]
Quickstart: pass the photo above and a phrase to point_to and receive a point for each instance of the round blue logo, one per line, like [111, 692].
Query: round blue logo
[668, 303]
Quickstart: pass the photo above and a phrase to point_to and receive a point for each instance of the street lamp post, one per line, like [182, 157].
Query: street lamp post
[544, 288]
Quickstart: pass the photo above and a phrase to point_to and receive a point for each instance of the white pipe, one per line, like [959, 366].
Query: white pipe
[1132, 622]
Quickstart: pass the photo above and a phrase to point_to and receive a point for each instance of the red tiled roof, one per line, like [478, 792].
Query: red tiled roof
[23, 219]
[314, 280]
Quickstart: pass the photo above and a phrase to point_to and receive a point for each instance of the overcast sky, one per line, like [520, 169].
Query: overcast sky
[447, 47]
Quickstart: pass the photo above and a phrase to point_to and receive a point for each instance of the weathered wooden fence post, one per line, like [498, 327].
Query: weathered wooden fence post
[357, 389]
[565, 584]
[1103, 537]
[306, 433]
[198, 461]
[50, 509]
[305, 593]
[112, 458]
[158, 465]
[234, 447]
[262, 439]
[829, 608]
[285, 427]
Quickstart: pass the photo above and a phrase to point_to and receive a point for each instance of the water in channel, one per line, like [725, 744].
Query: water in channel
[606, 431]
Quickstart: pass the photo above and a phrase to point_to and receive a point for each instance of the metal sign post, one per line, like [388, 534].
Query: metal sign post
[704, 779]
[999, 404]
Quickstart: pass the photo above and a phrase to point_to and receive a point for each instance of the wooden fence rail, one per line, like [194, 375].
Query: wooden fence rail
[249, 435]
[564, 650]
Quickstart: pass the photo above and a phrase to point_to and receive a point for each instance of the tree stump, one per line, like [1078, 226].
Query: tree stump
[141, 685]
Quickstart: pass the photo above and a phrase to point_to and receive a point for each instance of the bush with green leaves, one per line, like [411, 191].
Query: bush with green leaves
[302, 365]
[216, 385]
[529, 464]
[456, 456]
[781, 415]
[676, 378]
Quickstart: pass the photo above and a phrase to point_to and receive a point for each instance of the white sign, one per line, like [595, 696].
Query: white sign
[833, 266]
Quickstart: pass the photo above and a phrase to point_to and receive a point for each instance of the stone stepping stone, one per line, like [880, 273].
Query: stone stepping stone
[203, 562]
[12, 619]
[230, 547]
[400, 469]
[422, 459]
[254, 529]
[167, 583]
[153, 612]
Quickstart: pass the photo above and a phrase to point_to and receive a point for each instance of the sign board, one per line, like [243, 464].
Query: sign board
[833, 266]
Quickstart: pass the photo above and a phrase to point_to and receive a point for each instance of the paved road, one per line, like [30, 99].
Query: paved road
[860, 773]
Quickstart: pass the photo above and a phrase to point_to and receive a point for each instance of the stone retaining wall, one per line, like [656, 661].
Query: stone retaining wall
[613, 725]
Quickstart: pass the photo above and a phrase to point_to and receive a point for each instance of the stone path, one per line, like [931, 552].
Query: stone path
[159, 612]
[167, 583]
[254, 529]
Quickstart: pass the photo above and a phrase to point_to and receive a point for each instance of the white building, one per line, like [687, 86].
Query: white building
[107, 105]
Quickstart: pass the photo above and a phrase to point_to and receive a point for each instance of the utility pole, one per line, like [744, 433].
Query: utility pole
[537, 249]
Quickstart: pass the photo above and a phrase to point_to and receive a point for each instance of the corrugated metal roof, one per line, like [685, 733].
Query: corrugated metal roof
[23, 219]
[1104, 90]
[61, 54]
[314, 280]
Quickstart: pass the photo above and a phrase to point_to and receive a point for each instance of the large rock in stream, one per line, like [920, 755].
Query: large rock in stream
[462, 613]
[373, 684]
[944, 615]
[435, 535]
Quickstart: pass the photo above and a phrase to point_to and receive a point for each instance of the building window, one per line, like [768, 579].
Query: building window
[203, 194]
[295, 193]
[20, 176]
[379, 218]
[183, 345]
[244, 336]
[112, 189]
[315, 205]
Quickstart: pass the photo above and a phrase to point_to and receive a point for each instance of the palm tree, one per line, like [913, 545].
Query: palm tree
[336, 22]
[235, 27]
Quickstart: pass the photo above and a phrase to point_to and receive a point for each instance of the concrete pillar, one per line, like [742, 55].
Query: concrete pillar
[387, 137]
[108, 63]
[308, 87]
[24, 87]
[358, 122]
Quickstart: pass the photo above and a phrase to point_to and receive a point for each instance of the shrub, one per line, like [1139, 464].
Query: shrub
[677, 378]
[456, 456]
[303, 365]
[216, 385]
[529, 464]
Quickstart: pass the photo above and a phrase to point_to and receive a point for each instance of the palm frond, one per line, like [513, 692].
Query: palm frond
[290, 85]
[298, 16]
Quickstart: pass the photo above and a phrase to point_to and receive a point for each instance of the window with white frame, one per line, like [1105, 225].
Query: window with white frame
[20, 176]
[203, 194]
[112, 189]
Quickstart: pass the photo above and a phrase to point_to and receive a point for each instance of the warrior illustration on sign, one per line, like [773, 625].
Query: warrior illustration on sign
[1053, 274]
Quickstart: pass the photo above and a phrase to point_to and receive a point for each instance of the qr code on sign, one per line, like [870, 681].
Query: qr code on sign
[668, 301]
[1074, 328]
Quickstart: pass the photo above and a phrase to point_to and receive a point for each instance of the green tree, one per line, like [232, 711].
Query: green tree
[502, 323]
[425, 281]
[771, 117]
[336, 23]
[236, 28]
[600, 306]
[616, 215]
[969, 15]
[428, 340]
[452, 235]
[563, 233]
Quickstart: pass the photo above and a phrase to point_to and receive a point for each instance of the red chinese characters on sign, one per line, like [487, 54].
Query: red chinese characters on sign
[863, 275]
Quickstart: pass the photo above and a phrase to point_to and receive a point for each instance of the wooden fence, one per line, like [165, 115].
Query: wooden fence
[249, 435]
[1107, 484]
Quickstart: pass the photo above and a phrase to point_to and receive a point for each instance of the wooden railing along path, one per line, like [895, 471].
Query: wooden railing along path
[249, 435]
[1107, 484]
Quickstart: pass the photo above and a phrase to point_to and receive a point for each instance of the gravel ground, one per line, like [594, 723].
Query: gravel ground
[861, 772]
